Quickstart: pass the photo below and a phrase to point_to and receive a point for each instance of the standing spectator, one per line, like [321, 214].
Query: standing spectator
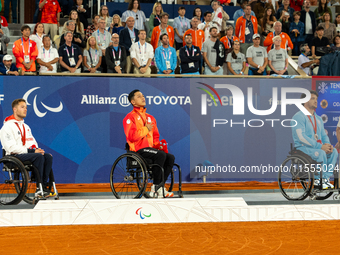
[141, 54]
[196, 34]
[116, 56]
[245, 28]
[190, 57]
[322, 8]
[48, 57]
[104, 13]
[83, 12]
[267, 22]
[278, 58]
[25, 51]
[236, 61]
[240, 12]
[14, 5]
[103, 40]
[257, 57]
[135, 12]
[7, 67]
[127, 37]
[155, 19]
[37, 36]
[337, 23]
[318, 42]
[296, 32]
[296, 5]
[308, 18]
[94, 27]
[116, 25]
[4, 40]
[219, 16]
[285, 39]
[66, 6]
[329, 28]
[92, 56]
[285, 21]
[213, 54]
[229, 39]
[181, 25]
[76, 38]
[284, 10]
[163, 28]
[70, 57]
[198, 13]
[4, 26]
[207, 24]
[165, 57]
[304, 63]
[260, 8]
[50, 16]
[79, 26]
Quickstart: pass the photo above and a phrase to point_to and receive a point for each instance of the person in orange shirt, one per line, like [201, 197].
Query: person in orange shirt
[286, 42]
[50, 16]
[229, 39]
[163, 28]
[196, 34]
[25, 51]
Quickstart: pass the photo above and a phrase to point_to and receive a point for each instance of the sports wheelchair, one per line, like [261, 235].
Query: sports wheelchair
[296, 178]
[131, 176]
[19, 181]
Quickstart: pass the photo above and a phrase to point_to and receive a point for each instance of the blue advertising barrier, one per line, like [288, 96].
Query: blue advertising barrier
[79, 121]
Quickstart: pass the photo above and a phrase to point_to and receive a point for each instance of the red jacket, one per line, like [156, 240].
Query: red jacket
[30, 48]
[286, 42]
[156, 33]
[240, 27]
[225, 41]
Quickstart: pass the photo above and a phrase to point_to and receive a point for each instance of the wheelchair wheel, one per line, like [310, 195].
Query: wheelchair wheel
[169, 184]
[13, 181]
[128, 177]
[295, 178]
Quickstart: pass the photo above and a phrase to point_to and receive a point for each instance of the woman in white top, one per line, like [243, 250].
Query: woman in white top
[104, 13]
[92, 56]
[37, 35]
[79, 26]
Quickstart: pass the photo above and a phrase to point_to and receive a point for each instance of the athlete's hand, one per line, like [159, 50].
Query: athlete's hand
[149, 126]
[327, 148]
[41, 151]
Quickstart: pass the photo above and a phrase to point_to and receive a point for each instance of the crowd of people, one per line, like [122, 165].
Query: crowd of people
[204, 44]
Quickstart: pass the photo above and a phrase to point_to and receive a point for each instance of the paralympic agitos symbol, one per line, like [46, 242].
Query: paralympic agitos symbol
[139, 212]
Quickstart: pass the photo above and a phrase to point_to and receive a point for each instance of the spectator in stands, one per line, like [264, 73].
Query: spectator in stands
[155, 19]
[7, 67]
[260, 8]
[257, 57]
[296, 5]
[116, 59]
[116, 25]
[304, 63]
[163, 28]
[127, 37]
[284, 10]
[198, 13]
[336, 42]
[38, 34]
[104, 13]
[181, 25]
[92, 56]
[245, 28]
[240, 12]
[219, 16]
[308, 18]
[50, 16]
[337, 23]
[236, 61]
[135, 12]
[322, 8]
[319, 42]
[83, 12]
[79, 28]
[267, 22]
[229, 39]
[296, 32]
[48, 57]
[66, 6]
[278, 58]
[70, 57]
[141, 54]
[94, 27]
[207, 24]
[165, 56]
[14, 5]
[329, 28]
[286, 41]
[213, 54]
[77, 38]
[285, 21]
[4, 40]
[4, 26]
[313, 2]
[196, 34]
[25, 51]
[190, 57]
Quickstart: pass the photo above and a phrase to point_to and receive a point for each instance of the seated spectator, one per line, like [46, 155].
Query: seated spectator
[213, 54]
[319, 12]
[127, 37]
[163, 28]
[267, 22]
[296, 31]
[165, 57]
[25, 51]
[116, 25]
[329, 28]
[190, 57]
[135, 12]
[260, 8]
[337, 23]
[155, 19]
[141, 54]
[70, 56]
[296, 5]
[219, 17]
[181, 25]
[286, 41]
[50, 16]
[48, 57]
[115, 56]
[304, 63]
[198, 13]
[94, 27]
[79, 27]
[83, 12]
[205, 27]
[257, 57]
[76, 39]
[278, 58]
[318, 42]
[104, 13]
[240, 12]
[4, 26]
[103, 41]
[4, 40]
[236, 61]
[7, 67]
[197, 35]
[228, 40]
[336, 42]
[285, 10]
[38, 34]
[92, 56]
[285, 21]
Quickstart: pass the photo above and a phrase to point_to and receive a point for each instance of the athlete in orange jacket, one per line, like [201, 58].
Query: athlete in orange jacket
[25, 51]
[143, 137]
[241, 23]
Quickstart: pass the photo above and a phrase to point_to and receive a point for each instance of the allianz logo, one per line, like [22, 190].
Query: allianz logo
[96, 99]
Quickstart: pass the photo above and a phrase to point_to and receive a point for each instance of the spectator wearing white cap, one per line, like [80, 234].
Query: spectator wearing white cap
[257, 57]
[48, 57]
[7, 67]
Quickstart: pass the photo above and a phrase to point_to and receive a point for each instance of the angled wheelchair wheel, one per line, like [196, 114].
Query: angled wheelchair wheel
[13, 181]
[128, 177]
[295, 178]
[169, 184]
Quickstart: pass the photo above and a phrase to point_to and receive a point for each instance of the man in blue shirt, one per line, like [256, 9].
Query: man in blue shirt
[165, 57]
[181, 25]
[240, 12]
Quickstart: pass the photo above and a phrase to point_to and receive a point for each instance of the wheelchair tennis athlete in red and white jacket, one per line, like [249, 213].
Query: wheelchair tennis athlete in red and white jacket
[143, 137]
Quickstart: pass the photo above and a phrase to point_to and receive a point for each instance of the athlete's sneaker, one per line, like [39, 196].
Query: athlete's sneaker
[160, 192]
[49, 192]
[328, 183]
[40, 195]
[152, 191]
[317, 183]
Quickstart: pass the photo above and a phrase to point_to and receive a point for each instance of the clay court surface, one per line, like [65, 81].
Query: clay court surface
[292, 237]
